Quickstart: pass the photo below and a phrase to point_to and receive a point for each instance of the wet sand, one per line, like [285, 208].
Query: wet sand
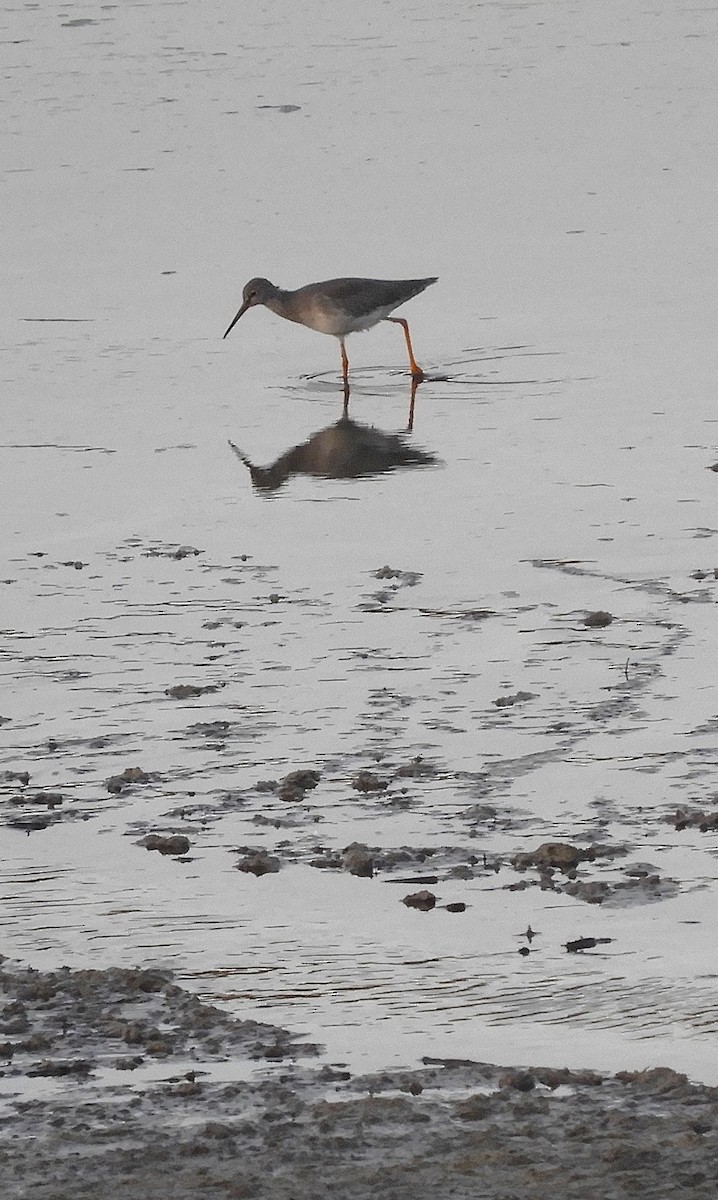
[142, 1090]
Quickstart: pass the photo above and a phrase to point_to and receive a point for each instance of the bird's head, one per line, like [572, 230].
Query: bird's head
[257, 291]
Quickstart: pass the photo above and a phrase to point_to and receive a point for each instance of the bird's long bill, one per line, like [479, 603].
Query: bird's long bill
[242, 310]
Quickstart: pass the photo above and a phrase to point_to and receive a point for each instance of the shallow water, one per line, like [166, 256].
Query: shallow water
[572, 422]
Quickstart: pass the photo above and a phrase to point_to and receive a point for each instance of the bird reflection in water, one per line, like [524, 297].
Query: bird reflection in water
[345, 450]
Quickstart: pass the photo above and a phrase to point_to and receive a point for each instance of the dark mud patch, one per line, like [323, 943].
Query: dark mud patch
[237, 1109]
[441, 862]
[558, 866]
[94, 1016]
[706, 822]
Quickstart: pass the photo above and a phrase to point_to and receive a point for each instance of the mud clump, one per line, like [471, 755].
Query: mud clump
[514, 698]
[592, 891]
[418, 768]
[258, 862]
[131, 776]
[561, 855]
[21, 777]
[448, 862]
[706, 822]
[642, 884]
[45, 799]
[658, 1081]
[188, 691]
[32, 824]
[174, 844]
[358, 860]
[367, 781]
[293, 787]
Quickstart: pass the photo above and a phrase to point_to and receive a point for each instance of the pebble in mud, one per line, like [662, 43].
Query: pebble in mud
[598, 620]
[423, 900]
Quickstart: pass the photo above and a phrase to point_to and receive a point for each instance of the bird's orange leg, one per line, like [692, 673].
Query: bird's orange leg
[416, 372]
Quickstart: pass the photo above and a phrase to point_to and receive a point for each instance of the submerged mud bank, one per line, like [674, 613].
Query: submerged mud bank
[148, 1092]
[243, 770]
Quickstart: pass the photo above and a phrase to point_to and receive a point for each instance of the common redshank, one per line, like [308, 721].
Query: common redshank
[339, 307]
